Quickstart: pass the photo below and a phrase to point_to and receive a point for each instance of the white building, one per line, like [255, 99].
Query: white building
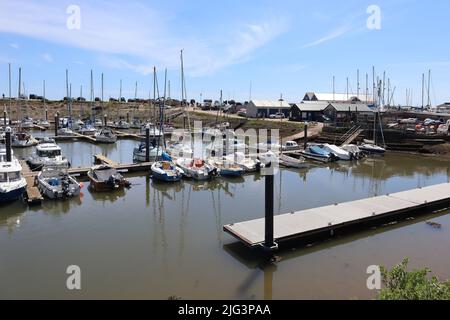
[264, 108]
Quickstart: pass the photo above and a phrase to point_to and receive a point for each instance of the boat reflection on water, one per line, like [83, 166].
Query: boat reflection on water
[111, 196]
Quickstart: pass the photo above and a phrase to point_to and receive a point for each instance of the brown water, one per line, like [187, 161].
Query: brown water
[157, 240]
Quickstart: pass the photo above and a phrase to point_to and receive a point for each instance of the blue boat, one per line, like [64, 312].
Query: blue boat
[315, 152]
[227, 168]
[166, 171]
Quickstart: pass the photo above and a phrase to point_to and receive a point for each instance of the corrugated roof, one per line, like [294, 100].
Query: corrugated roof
[341, 107]
[270, 104]
[312, 106]
[338, 96]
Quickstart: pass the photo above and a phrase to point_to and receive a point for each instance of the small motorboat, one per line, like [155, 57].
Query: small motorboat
[27, 123]
[314, 152]
[56, 183]
[105, 135]
[370, 147]
[226, 168]
[180, 150]
[23, 140]
[339, 153]
[47, 153]
[65, 132]
[269, 158]
[139, 153]
[98, 123]
[104, 178]
[44, 124]
[196, 169]
[166, 171]
[291, 162]
[153, 130]
[353, 149]
[12, 183]
[122, 124]
[136, 124]
[245, 162]
[87, 130]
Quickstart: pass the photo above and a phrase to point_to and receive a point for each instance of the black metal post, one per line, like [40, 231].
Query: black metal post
[306, 136]
[56, 124]
[269, 243]
[8, 145]
[105, 120]
[128, 117]
[4, 118]
[147, 144]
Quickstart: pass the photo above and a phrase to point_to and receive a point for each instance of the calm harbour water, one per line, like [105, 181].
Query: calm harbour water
[157, 240]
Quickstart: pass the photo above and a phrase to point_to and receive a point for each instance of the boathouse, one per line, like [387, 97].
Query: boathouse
[264, 108]
[308, 111]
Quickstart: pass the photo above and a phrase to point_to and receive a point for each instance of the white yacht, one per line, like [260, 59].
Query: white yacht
[12, 183]
[48, 153]
[105, 135]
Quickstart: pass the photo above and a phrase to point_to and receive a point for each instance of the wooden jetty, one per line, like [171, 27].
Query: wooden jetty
[128, 135]
[32, 193]
[325, 220]
[99, 158]
[82, 171]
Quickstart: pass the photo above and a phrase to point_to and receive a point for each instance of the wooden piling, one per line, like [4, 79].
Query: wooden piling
[8, 145]
[147, 143]
[268, 225]
[56, 124]
[306, 136]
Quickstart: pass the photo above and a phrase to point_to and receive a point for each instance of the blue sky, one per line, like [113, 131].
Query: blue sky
[287, 47]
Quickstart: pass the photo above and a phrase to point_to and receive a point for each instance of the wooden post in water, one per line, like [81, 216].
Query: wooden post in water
[147, 143]
[56, 124]
[128, 117]
[8, 144]
[268, 242]
[105, 120]
[306, 136]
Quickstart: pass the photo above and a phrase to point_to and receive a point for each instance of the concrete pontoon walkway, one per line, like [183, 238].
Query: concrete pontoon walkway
[304, 223]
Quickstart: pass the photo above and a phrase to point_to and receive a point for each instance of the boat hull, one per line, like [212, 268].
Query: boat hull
[13, 195]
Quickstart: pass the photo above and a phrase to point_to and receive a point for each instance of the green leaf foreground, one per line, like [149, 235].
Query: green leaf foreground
[400, 284]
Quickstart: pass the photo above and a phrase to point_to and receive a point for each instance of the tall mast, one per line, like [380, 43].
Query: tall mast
[92, 98]
[429, 85]
[45, 105]
[423, 88]
[81, 100]
[101, 102]
[19, 94]
[347, 88]
[367, 87]
[373, 84]
[334, 91]
[9, 79]
[67, 95]
[357, 84]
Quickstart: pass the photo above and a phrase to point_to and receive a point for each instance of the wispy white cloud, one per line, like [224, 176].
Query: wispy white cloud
[334, 34]
[47, 57]
[14, 45]
[126, 34]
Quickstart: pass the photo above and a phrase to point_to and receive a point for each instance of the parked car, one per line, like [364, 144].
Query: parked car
[278, 115]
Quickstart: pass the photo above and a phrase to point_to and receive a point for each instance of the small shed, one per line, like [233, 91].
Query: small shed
[308, 111]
